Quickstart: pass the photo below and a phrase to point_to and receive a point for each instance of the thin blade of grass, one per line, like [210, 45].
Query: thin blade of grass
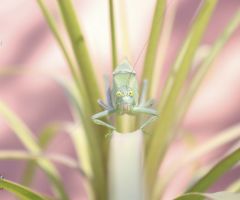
[53, 26]
[163, 45]
[81, 52]
[77, 76]
[216, 172]
[209, 196]
[28, 140]
[204, 68]
[159, 139]
[154, 36]
[21, 191]
[23, 155]
[221, 139]
[80, 143]
[113, 34]
[46, 136]
[89, 136]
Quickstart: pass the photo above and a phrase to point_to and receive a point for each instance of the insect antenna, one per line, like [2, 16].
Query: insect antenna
[147, 42]
[138, 58]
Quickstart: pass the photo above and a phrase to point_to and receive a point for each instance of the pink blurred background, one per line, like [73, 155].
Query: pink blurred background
[27, 44]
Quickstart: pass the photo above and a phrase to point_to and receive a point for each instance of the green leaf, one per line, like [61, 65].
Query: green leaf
[113, 34]
[21, 191]
[164, 42]
[156, 28]
[217, 141]
[44, 139]
[209, 196]
[206, 65]
[29, 141]
[159, 140]
[216, 172]
[81, 52]
[23, 155]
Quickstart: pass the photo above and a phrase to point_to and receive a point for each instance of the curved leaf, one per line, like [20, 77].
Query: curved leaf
[28, 139]
[213, 196]
[216, 172]
[21, 191]
[160, 138]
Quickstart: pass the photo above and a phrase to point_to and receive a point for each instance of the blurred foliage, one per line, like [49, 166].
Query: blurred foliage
[93, 149]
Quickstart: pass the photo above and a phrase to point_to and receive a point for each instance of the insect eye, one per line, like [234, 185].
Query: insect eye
[130, 93]
[118, 94]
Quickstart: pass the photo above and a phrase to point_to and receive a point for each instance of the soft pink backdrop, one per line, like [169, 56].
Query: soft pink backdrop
[27, 44]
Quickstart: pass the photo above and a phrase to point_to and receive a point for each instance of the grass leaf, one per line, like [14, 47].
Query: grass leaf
[80, 51]
[21, 191]
[205, 66]
[27, 138]
[151, 53]
[209, 196]
[23, 155]
[162, 134]
[44, 139]
[113, 34]
[216, 172]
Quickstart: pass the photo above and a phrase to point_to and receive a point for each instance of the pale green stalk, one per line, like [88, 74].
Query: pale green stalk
[206, 65]
[81, 52]
[21, 191]
[77, 77]
[150, 58]
[93, 144]
[23, 155]
[203, 69]
[44, 139]
[126, 172]
[161, 136]
[113, 34]
[163, 45]
[80, 143]
[210, 196]
[73, 69]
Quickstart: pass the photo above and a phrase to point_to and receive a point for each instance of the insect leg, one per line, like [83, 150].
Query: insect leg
[150, 120]
[141, 109]
[107, 90]
[148, 103]
[104, 113]
[149, 111]
[103, 105]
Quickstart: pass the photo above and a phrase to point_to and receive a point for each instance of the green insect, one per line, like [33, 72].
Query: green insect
[123, 97]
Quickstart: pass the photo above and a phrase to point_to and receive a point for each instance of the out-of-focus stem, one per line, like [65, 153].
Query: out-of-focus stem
[125, 170]
[113, 34]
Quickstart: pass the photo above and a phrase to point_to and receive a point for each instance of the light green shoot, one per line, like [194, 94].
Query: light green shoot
[123, 97]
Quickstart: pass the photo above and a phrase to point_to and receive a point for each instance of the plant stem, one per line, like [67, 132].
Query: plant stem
[153, 41]
[80, 51]
[206, 65]
[163, 45]
[126, 166]
[113, 34]
[162, 134]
